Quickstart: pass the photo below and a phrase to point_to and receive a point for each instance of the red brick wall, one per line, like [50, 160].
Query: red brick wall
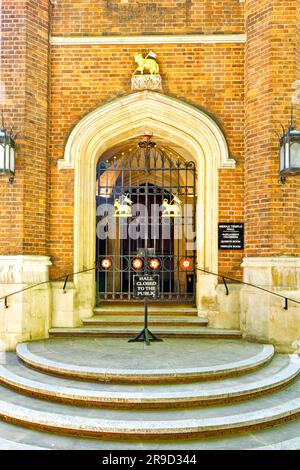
[271, 211]
[12, 70]
[85, 77]
[24, 72]
[209, 76]
[133, 17]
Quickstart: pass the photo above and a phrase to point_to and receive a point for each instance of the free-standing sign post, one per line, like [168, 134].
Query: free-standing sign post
[145, 287]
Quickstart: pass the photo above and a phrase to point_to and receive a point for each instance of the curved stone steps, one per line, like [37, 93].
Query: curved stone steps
[282, 370]
[172, 424]
[281, 437]
[190, 331]
[261, 355]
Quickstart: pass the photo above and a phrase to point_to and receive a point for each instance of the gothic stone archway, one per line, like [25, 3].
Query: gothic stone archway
[127, 118]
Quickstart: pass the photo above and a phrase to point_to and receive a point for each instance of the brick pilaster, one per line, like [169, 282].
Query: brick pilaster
[24, 79]
[272, 212]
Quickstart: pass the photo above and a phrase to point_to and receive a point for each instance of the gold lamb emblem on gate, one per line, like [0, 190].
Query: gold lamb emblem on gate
[123, 206]
[173, 208]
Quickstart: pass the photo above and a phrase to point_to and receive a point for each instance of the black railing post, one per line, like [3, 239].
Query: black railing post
[65, 284]
[225, 284]
[286, 304]
[5, 303]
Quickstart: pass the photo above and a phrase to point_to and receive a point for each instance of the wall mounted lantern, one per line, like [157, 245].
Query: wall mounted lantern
[289, 152]
[7, 152]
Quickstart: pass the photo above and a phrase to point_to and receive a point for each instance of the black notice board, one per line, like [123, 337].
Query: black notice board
[146, 286]
[231, 236]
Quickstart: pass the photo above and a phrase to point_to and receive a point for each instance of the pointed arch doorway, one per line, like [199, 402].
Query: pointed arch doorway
[116, 122]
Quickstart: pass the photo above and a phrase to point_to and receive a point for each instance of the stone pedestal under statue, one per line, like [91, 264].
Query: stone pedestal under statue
[146, 82]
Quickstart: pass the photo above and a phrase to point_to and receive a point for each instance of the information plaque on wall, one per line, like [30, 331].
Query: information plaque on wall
[146, 286]
[231, 236]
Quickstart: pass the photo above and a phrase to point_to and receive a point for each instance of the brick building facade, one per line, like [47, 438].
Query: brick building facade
[231, 60]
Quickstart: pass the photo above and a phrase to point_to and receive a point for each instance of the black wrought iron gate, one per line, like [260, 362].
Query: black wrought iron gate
[146, 209]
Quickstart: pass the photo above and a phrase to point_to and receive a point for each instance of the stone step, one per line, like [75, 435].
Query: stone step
[9, 445]
[277, 374]
[285, 436]
[134, 320]
[171, 424]
[173, 310]
[112, 360]
[162, 331]
[289, 444]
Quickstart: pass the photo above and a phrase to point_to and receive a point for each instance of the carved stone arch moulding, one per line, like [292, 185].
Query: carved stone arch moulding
[125, 118]
[154, 106]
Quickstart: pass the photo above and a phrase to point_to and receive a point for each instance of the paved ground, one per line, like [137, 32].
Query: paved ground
[117, 353]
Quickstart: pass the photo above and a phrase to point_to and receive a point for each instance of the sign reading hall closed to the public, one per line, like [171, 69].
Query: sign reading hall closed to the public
[146, 286]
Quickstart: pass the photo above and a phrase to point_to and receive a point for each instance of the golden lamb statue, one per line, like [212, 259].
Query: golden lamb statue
[147, 63]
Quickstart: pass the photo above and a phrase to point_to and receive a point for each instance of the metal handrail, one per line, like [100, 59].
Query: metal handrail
[224, 277]
[66, 277]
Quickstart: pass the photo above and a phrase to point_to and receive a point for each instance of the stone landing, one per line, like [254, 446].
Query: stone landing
[189, 392]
